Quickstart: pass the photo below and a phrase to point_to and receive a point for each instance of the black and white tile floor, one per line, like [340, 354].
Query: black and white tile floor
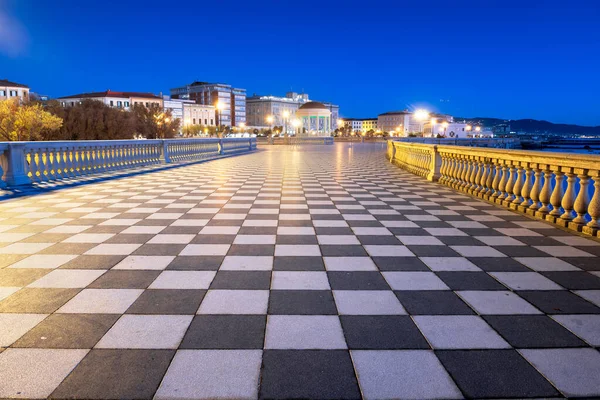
[294, 272]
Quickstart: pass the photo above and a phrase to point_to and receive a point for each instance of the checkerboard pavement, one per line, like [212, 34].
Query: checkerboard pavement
[317, 272]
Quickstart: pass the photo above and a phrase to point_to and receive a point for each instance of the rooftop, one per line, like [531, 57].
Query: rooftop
[111, 93]
[5, 82]
[403, 112]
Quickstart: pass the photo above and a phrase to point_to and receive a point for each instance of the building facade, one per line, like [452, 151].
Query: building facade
[10, 90]
[314, 119]
[229, 102]
[360, 125]
[199, 114]
[124, 100]
[259, 108]
[400, 123]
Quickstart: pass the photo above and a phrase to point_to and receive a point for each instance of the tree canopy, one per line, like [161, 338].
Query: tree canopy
[25, 121]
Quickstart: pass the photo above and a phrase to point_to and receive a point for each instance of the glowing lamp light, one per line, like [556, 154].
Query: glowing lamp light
[220, 105]
[468, 127]
[286, 114]
[270, 119]
[477, 128]
[421, 114]
[296, 123]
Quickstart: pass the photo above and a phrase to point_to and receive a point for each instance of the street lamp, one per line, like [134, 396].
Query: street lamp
[270, 122]
[296, 124]
[286, 115]
[445, 125]
[478, 129]
[468, 128]
[219, 107]
[242, 126]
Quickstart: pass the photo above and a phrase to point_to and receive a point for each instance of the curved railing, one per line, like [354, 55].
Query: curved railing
[561, 188]
[30, 162]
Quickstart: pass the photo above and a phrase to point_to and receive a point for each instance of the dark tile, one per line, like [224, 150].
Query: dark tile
[532, 331]
[68, 331]
[9, 259]
[36, 301]
[196, 263]
[308, 374]
[378, 240]
[116, 374]
[520, 251]
[595, 250]
[480, 232]
[291, 222]
[433, 251]
[68, 248]
[130, 238]
[302, 302]
[464, 280]
[575, 280]
[167, 301]
[156, 249]
[93, 262]
[213, 239]
[257, 230]
[585, 263]
[433, 302]
[225, 332]
[363, 280]
[539, 241]
[251, 250]
[288, 263]
[382, 332]
[253, 280]
[333, 231]
[400, 264]
[498, 264]
[343, 251]
[559, 302]
[494, 373]
[409, 231]
[123, 279]
[19, 277]
[296, 239]
[46, 238]
[459, 241]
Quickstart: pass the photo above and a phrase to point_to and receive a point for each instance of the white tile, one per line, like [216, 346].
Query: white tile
[48, 261]
[6, 291]
[212, 374]
[349, 264]
[13, 326]
[183, 280]
[24, 248]
[477, 251]
[220, 230]
[297, 250]
[325, 223]
[235, 302]
[69, 229]
[445, 232]
[574, 372]
[586, 327]
[525, 281]
[499, 241]
[205, 250]
[449, 264]
[367, 302]
[68, 278]
[575, 241]
[190, 222]
[302, 332]
[546, 264]
[106, 249]
[459, 332]
[388, 251]
[295, 230]
[497, 302]
[420, 240]
[144, 262]
[402, 374]
[299, 280]
[592, 296]
[146, 332]
[337, 240]
[512, 232]
[371, 231]
[254, 239]
[101, 301]
[247, 263]
[171, 239]
[563, 251]
[24, 375]
[143, 229]
[409, 280]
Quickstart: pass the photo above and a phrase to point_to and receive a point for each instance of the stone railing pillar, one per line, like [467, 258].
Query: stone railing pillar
[435, 165]
[221, 149]
[165, 151]
[16, 173]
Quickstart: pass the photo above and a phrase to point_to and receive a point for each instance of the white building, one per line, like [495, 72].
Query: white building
[124, 100]
[360, 125]
[9, 90]
[199, 114]
[455, 130]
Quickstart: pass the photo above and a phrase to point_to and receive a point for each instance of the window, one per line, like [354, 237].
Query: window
[126, 104]
[147, 104]
[211, 121]
[205, 121]
[111, 103]
[2, 93]
[13, 92]
[194, 121]
[119, 104]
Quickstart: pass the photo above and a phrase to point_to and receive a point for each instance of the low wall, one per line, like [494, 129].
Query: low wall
[560, 188]
[23, 163]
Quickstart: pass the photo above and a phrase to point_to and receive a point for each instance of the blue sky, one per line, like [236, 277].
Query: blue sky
[506, 59]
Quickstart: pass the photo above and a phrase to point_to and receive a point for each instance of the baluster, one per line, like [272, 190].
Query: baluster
[33, 165]
[536, 190]
[518, 185]
[510, 183]
[503, 182]
[496, 182]
[44, 175]
[480, 177]
[583, 198]
[594, 207]
[557, 193]
[568, 199]
[526, 189]
[465, 174]
[546, 193]
[489, 178]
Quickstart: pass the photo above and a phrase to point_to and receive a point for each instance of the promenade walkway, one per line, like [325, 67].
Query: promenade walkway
[319, 272]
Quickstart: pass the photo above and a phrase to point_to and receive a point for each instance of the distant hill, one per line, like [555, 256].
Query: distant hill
[535, 126]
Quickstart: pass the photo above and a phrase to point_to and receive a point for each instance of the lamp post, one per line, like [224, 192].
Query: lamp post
[286, 115]
[445, 126]
[477, 129]
[340, 123]
[242, 126]
[421, 114]
[219, 107]
[270, 122]
[296, 124]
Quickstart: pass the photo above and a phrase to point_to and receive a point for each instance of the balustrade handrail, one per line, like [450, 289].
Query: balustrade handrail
[555, 187]
[24, 163]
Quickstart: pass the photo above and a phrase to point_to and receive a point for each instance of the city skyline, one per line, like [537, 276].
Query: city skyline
[500, 60]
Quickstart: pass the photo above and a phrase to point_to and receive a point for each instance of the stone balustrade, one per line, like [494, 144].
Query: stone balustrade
[561, 188]
[298, 140]
[23, 163]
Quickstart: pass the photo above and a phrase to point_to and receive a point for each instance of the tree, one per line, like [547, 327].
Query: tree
[154, 123]
[20, 121]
